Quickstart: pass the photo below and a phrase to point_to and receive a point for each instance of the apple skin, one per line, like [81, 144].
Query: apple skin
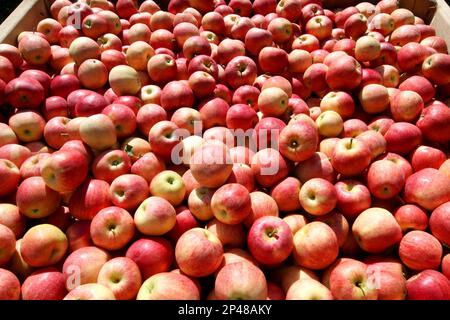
[384, 179]
[338, 223]
[24, 92]
[317, 166]
[90, 291]
[44, 284]
[78, 235]
[112, 228]
[10, 176]
[308, 289]
[65, 171]
[231, 203]
[411, 56]
[375, 141]
[419, 85]
[428, 188]
[298, 141]
[376, 229]
[433, 121]
[437, 68]
[262, 205]
[168, 286]
[420, 250]
[446, 266]
[111, 164]
[155, 216]
[350, 280]
[439, 223]
[83, 265]
[10, 288]
[349, 149]
[168, 185]
[346, 68]
[295, 222]
[89, 198]
[273, 60]
[428, 285]
[198, 252]
[286, 194]
[8, 244]
[269, 167]
[411, 217]
[152, 255]
[240, 280]
[11, 218]
[43, 245]
[128, 191]
[270, 240]
[185, 220]
[402, 137]
[389, 280]
[427, 157]
[318, 196]
[317, 254]
[122, 276]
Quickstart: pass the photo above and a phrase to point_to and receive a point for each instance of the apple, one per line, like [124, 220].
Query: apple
[124, 80]
[8, 244]
[375, 141]
[241, 281]
[155, 216]
[427, 157]
[78, 235]
[64, 171]
[89, 198]
[314, 78]
[34, 49]
[122, 276]
[338, 101]
[15, 153]
[229, 235]
[168, 286]
[273, 60]
[374, 98]
[10, 176]
[317, 166]
[317, 254]
[90, 291]
[10, 289]
[10, 217]
[344, 74]
[44, 284]
[270, 240]
[308, 289]
[286, 194]
[411, 217]
[319, 26]
[439, 223]
[111, 164]
[419, 85]
[445, 266]
[43, 245]
[433, 121]
[198, 263]
[420, 250]
[428, 285]
[231, 203]
[384, 179]
[318, 196]
[269, 167]
[24, 92]
[350, 280]
[128, 191]
[199, 202]
[433, 186]
[350, 149]
[411, 56]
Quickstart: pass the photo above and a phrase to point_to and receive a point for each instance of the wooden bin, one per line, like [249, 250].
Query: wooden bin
[30, 12]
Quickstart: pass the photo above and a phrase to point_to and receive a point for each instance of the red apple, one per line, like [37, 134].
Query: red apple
[419, 251]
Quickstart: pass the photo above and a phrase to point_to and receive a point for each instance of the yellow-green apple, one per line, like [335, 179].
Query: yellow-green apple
[350, 280]
[231, 203]
[10, 288]
[124, 80]
[155, 216]
[428, 285]
[89, 198]
[230, 236]
[411, 217]
[329, 124]
[65, 170]
[270, 240]
[185, 221]
[199, 203]
[11, 218]
[90, 291]
[24, 92]
[35, 199]
[153, 255]
[128, 191]
[308, 289]
[122, 276]
[110, 164]
[241, 281]
[353, 197]
[10, 177]
[318, 196]
[98, 131]
[44, 284]
[420, 250]
[295, 222]
[112, 228]
[43, 245]
[350, 150]
[376, 230]
[79, 235]
[338, 223]
[286, 194]
[374, 98]
[317, 166]
[384, 179]
[168, 286]
[7, 244]
[83, 265]
[439, 223]
[344, 74]
[317, 254]
[168, 185]
[198, 252]
[427, 157]
[428, 188]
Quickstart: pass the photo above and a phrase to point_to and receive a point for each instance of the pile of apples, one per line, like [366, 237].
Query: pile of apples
[225, 150]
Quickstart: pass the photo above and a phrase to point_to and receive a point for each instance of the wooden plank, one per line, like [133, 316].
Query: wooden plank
[24, 18]
[441, 21]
